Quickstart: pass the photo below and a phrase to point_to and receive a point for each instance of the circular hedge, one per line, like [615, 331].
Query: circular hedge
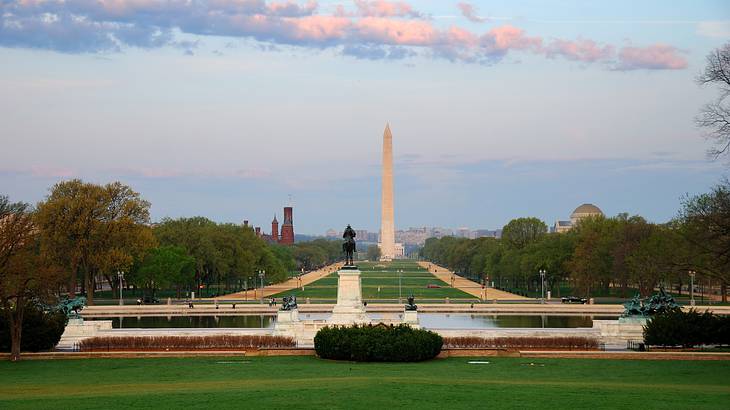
[377, 343]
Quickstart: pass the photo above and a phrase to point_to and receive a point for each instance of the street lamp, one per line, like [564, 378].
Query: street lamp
[400, 274]
[692, 287]
[542, 284]
[262, 273]
[120, 275]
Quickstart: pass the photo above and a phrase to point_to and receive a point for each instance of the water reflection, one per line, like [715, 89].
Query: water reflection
[467, 321]
[427, 320]
[152, 322]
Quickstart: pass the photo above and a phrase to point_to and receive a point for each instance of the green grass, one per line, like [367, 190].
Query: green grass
[311, 383]
[384, 276]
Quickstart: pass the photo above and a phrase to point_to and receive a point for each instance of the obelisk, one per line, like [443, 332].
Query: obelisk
[387, 225]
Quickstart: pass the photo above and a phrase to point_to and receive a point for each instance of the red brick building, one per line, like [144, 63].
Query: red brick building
[286, 236]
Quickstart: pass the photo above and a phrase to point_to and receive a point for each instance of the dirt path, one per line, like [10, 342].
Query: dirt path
[468, 286]
[292, 283]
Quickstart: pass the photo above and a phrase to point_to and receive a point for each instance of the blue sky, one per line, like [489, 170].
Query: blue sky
[225, 108]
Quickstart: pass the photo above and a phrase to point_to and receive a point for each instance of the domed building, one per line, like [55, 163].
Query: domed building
[581, 212]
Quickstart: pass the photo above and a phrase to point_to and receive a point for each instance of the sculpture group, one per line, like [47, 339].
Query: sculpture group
[653, 305]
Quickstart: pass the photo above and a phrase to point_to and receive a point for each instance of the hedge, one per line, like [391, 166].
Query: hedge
[687, 329]
[153, 343]
[567, 343]
[377, 343]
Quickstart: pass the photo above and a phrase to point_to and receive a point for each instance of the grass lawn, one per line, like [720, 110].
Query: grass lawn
[380, 281]
[311, 383]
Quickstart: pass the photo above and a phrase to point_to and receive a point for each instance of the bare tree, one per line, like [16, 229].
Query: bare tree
[715, 116]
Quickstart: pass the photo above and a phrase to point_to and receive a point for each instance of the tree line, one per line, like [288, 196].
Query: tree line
[83, 234]
[601, 256]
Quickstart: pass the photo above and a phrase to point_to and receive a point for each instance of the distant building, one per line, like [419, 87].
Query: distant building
[287, 229]
[275, 230]
[332, 233]
[581, 212]
[285, 237]
[486, 233]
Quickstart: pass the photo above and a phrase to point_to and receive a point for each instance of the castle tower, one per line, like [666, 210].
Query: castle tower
[275, 230]
[387, 224]
[287, 228]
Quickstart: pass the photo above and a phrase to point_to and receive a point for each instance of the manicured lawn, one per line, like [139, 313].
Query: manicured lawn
[380, 281]
[311, 383]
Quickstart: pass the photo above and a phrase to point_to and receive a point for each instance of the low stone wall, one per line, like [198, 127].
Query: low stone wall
[619, 332]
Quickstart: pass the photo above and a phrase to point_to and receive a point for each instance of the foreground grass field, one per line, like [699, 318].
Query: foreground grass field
[311, 383]
[380, 281]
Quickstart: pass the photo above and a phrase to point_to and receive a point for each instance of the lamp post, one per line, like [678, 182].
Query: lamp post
[120, 275]
[245, 289]
[542, 284]
[692, 287]
[400, 274]
[262, 273]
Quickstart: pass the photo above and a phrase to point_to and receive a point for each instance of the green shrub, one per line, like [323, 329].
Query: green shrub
[377, 343]
[41, 329]
[686, 329]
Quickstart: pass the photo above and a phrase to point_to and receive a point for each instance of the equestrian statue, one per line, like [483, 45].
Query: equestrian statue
[349, 245]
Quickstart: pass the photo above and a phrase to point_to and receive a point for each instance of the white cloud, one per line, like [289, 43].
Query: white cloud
[714, 29]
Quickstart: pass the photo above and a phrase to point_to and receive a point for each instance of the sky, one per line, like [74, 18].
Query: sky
[232, 109]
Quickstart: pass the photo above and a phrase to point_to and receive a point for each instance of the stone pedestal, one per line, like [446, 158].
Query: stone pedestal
[410, 317]
[349, 308]
[288, 324]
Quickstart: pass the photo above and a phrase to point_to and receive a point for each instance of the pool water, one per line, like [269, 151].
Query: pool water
[426, 320]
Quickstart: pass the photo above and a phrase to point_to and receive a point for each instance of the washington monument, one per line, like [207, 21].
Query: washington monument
[387, 225]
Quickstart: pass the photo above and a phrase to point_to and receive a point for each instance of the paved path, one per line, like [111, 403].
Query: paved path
[467, 285]
[292, 283]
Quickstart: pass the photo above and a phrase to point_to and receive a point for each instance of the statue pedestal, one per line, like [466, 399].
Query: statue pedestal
[287, 316]
[349, 308]
[410, 317]
[288, 324]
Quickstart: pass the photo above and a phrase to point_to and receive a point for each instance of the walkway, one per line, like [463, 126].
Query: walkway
[290, 284]
[469, 286]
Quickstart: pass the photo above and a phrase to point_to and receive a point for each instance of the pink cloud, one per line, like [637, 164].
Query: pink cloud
[319, 28]
[470, 12]
[373, 29]
[381, 8]
[396, 32]
[509, 37]
[579, 50]
[654, 57]
[51, 172]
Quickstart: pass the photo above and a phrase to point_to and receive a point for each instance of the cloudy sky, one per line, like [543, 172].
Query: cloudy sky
[226, 108]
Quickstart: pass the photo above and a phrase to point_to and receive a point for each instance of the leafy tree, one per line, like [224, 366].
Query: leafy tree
[706, 227]
[520, 232]
[25, 273]
[94, 230]
[164, 267]
[373, 253]
[591, 263]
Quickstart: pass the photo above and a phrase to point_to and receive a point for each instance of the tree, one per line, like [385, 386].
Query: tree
[373, 253]
[520, 232]
[591, 263]
[94, 230]
[715, 116]
[706, 226]
[25, 273]
[163, 267]
[629, 233]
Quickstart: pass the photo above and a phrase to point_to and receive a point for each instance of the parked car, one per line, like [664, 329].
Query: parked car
[148, 300]
[574, 299]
